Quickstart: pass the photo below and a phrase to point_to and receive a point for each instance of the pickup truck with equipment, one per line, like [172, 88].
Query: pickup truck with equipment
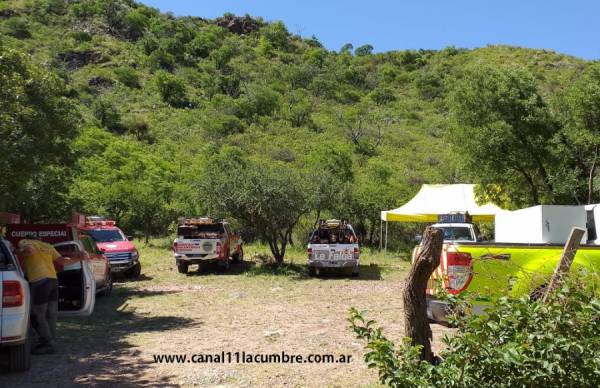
[521, 263]
[203, 240]
[333, 245]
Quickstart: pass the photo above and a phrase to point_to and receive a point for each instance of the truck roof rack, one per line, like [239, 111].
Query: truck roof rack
[199, 221]
[333, 223]
[451, 217]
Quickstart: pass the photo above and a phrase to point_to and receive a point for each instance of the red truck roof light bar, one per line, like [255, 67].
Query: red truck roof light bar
[100, 223]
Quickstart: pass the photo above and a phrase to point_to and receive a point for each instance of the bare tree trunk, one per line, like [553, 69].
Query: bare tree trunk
[591, 177]
[416, 325]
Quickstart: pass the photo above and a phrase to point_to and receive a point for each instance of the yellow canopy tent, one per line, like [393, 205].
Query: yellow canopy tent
[433, 200]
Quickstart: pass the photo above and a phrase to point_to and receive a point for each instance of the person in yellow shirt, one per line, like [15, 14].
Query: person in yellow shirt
[38, 262]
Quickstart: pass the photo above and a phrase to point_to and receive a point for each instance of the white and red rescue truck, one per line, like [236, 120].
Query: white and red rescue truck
[205, 239]
[333, 245]
[123, 256]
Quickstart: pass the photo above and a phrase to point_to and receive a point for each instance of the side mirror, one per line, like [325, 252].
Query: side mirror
[129, 238]
[418, 238]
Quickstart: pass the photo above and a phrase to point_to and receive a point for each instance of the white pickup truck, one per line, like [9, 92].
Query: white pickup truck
[203, 240]
[333, 245]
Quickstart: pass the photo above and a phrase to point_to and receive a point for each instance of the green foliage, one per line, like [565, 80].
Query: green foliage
[382, 96]
[276, 34]
[81, 36]
[128, 77]
[503, 132]
[364, 130]
[517, 342]
[258, 101]
[205, 42]
[268, 198]
[172, 89]
[134, 24]
[37, 125]
[363, 50]
[123, 180]
[18, 27]
[108, 115]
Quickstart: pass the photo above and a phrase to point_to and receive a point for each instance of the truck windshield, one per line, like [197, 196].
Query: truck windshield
[333, 236]
[102, 235]
[200, 231]
[457, 233]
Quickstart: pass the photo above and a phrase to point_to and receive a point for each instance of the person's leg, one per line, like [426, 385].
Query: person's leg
[41, 291]
[43, 329]
[52, 311]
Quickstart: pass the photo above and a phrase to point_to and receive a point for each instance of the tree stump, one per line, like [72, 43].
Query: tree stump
[416, 324]
[566, 259]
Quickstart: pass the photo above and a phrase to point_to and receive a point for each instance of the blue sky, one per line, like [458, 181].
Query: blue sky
[567, 26]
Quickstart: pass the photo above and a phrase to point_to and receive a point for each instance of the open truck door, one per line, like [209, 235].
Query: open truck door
[76, 283]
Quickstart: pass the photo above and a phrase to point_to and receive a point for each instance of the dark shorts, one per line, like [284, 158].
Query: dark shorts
[44, 291]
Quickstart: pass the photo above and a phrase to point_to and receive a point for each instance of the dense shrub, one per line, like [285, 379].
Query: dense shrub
[18, 27]
[81, 36]
[259, 101]
[108, 115]
[128, 76]
[518, 343]
[382, 96]
[172, 89]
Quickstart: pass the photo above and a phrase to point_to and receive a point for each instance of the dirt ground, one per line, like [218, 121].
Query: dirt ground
[247, 309]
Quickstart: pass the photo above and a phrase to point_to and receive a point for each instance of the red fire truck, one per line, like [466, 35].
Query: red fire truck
[118, 248]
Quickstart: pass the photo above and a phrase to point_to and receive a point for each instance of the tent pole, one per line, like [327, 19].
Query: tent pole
[386, 234]
[380, 233]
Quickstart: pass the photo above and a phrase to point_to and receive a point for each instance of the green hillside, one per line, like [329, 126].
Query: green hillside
[174, 114]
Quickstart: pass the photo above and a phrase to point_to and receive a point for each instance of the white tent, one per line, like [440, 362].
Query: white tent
[433, 200]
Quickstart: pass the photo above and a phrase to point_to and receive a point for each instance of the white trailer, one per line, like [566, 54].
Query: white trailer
[543, 224]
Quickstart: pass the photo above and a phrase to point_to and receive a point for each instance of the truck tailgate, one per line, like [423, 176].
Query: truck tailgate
[197, 246]
[333, 252]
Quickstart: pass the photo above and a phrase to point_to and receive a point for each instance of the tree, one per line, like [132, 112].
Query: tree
[503, 132]
[348, 47]
[266, 198]
[125, 180]
[37, 125]
[579, 140]
[329, 167]
[363, 50]
[258, 101]
[276, 34]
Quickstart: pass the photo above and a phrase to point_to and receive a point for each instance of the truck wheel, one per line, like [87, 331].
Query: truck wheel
[224, 265]
[239, 256]
[182, 267]
[311, 271]
[19, 356]
[108, 288]
[134, 271]
[355, 272]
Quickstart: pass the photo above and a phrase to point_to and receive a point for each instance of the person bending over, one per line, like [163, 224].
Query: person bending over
[38, 260]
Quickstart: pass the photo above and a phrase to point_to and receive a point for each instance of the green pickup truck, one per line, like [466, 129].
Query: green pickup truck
[490, 269]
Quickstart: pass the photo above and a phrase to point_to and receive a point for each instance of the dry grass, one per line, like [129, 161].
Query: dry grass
[252, 308]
